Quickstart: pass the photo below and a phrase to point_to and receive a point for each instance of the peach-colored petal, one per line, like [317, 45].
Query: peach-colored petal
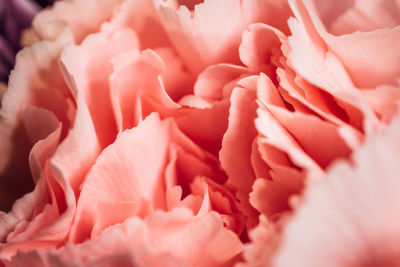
[210, 84]
[71, 157]
[306, 129]
[90, 70]
[351, 217]
[176, 238]
[194, 102]
[70, 257]
[237, 146]
[207, 35]
[271, 12]
[265, 238]
[383, 99]
[210, 243]
[205, 126]
[127, 160]
[23, 209]
[115, 163]
[377, 29]
[136, 88]
[323, 104]
[35, 81]
[32, 220]
[44, 130]
[274, 134]
[260, 48]
[141, 16]
[80, 17]
[218, 198]
[313, 60]
[177, 80]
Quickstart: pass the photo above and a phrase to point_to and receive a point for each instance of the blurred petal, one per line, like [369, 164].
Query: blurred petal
[351, 217]
[74, 15]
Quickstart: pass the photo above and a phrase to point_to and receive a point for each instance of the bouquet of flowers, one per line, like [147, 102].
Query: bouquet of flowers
[202, 133]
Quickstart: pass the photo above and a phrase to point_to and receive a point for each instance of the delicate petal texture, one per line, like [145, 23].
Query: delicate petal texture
[320, 66]
[47, 91]
[218, 20]
[357, 208]
[128, 160]
[260, 48]
[90, 70]
[74, 15]
[362, 29]
[163, 234]
[136, 88]
[142, 17]
[201, 133]
[237, 145]
[212, 83]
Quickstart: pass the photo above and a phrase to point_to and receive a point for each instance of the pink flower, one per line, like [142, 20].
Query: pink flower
[158, 131]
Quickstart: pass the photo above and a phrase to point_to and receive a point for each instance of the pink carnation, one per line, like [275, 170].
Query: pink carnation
[191, 133]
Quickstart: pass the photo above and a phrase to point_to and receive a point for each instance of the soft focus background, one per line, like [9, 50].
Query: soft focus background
[15, 16]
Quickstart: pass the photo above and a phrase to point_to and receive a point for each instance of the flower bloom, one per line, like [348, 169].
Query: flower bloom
[185, 132]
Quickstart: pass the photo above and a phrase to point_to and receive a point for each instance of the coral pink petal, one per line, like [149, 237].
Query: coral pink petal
[380, 31]
[113, 255]
[209, 35]
[90, 69]
[263, 238]
[151, 142]
[311, 58]
[210, 82]
[260, 43]
[136, 77]
[142, 17]
[271, 197]
[270, 12]
[23, 209]
[35, 81]
[45, 129]
[74, 15]
[206, 234]
[160, 240]
[177, 80]
[274, 134]
[32, 220]
[110, 213]
[351, 217]
[205, 126]
[383, 99]
[72, 158]
[322, 104]
[237, 146]
[306, 129]
[131, 167]
[219, 199]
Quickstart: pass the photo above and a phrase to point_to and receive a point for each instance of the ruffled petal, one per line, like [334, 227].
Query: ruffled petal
[237, 148]
[142, 17]
[350, 218]
[75, 16]
[363, 29]
[136, 88]
[90, 70]
[207, 35]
